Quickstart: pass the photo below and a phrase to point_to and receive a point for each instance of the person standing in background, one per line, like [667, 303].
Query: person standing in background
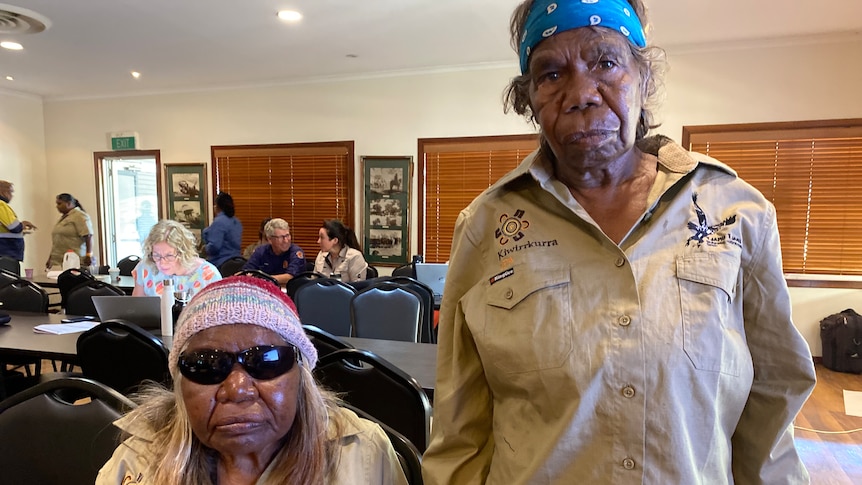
[615, 309]
[11, 229]
[280, 259]
[223, 238]
[73, 231]
[145, 221]
[340, 255]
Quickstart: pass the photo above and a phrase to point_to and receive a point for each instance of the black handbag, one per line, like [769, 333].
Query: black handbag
[841, 338]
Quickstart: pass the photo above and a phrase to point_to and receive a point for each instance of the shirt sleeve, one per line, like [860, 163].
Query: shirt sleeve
[83, 226]
[461, 443]
[9, 219]
[296, 264]
[214, 237]
[255, 261]
[356, 266]
[763, 448]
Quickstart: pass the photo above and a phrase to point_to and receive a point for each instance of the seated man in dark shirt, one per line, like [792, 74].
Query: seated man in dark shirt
[280, 258]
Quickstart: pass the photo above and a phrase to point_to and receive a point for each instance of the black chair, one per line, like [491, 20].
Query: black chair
[427, 335]
[408, 270]
[122, 355]
[256, 273]
[127, 264]
[387, 311]
[325, 303]
[10, 264]
[408, 455]
[7, 277]
[231, 266]
[23, 296]
[382, 390]
[309, 266]
[79, 301]
[51, 441]
[302, 278]
[371, 272]
[71, 278]
[323, 341]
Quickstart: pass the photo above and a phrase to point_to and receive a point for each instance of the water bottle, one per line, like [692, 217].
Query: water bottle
[167, 308]
[71, 260]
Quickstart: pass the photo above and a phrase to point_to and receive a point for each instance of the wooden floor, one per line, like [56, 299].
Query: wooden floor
[831, 458]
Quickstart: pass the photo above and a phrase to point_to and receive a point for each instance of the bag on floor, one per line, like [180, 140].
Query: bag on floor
[841, 336]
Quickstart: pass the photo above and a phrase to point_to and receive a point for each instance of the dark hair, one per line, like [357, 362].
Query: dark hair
[346, 236]
[261, 234]
[68, 198]
[650, 61]
[224, 202]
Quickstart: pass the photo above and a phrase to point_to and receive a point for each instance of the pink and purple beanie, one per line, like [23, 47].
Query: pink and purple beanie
[241, 299]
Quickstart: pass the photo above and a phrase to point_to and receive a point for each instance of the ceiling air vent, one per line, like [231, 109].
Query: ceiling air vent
[17, 20]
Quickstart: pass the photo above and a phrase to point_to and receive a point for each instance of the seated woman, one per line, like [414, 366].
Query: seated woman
[245, 407]
[340, 255]
[169, 253]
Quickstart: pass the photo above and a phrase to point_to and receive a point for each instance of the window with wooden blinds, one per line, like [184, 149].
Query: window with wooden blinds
[301, 183]
[812, 172]
[452, 172]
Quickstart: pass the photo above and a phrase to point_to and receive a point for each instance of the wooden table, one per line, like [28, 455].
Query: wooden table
[126, 283]
[17, 338]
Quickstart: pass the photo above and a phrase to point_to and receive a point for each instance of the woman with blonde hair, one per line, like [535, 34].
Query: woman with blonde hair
[244, 406]
[169, 253]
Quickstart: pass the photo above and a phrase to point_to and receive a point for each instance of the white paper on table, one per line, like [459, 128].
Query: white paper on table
[852, 403]
[64, 328]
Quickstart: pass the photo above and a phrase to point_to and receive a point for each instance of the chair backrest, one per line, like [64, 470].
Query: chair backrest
[371, 272]
[408, 455]
[23, 296]
[256, 273]
[387, 311]
[10, 264]
[79, 301]
[122, 355]
[325, 303]
[408, 269]
[382, 390]
[426, 326]
[302, 278]
[50, 441]
[323, 341]
[71, 278]
[232, 265]
[127, 264]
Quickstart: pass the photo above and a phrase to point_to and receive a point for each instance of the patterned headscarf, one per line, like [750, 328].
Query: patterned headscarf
[549, 17]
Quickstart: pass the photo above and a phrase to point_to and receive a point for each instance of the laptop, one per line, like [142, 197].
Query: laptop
[433, 275]
[143, 311]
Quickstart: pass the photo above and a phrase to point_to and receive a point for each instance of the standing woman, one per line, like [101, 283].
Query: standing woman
[340, 253]
[73, 231]
[223, 238]
[169, 253]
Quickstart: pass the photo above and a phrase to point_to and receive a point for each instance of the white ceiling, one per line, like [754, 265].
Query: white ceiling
[180, 45]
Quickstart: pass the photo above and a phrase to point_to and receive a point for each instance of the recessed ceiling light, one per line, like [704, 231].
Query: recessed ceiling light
[12, 46]
[10, 78]
[289, 15]
[136, 74]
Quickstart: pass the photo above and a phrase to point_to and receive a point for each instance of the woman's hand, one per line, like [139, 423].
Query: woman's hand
[86, 261]
[28, 226]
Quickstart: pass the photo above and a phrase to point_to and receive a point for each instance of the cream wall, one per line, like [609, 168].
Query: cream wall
[22, 162]
[811, 78]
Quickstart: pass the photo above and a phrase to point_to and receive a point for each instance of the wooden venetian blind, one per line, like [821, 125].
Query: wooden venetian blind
[452, 172]
[812, 172]
[300, 183]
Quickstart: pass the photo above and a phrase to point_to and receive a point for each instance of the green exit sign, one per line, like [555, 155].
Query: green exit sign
[123, 143]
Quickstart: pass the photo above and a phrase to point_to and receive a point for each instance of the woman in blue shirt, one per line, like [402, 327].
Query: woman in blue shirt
[223, 238]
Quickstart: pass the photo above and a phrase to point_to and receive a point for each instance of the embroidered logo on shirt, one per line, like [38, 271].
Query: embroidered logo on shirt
[511, 227]
[703, 232]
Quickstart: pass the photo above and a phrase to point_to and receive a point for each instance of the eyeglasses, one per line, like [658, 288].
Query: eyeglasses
[168, 258]
[282, 238]
[212, 366]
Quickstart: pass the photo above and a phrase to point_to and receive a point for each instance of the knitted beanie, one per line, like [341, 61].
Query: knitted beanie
[241, 299]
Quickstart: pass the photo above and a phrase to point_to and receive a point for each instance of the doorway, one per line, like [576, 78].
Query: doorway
[129, 190]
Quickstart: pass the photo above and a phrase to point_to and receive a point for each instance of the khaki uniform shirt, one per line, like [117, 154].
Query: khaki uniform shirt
[68, 233]
[350, 265]
[670, 358]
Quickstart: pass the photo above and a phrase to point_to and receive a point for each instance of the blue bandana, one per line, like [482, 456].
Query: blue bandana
[549, 17]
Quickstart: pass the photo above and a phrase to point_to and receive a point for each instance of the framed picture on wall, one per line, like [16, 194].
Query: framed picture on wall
[186, 195]
[386, 209]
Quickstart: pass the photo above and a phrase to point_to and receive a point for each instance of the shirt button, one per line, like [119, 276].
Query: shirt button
[629, 392]
[625, 320]
[629, 464]
[509, 294]
[620, 262]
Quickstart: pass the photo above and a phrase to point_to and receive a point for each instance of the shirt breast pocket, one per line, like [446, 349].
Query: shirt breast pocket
[528, 320]
[712, 325]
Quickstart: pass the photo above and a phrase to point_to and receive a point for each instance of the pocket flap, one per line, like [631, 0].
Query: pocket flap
[510, 291]
[718, 269]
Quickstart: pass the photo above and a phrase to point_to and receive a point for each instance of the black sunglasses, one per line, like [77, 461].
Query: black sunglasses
[212, 366]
